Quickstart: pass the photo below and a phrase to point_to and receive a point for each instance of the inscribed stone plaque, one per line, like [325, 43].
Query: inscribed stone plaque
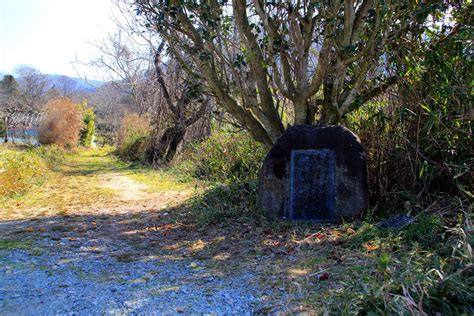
[312, 185]
[315, 173]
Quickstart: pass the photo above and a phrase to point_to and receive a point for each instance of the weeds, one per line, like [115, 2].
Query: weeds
[53, 155]
[414, 273]
[224, 157]
[223, 204]
[8, 244]
[22, 170]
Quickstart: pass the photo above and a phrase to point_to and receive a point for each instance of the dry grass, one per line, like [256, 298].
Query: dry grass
[78, 186]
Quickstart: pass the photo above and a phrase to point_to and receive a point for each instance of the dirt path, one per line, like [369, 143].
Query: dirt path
[95, 240]
[127, 188]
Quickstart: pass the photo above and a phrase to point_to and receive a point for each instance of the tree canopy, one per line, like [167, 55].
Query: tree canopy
[316, 60]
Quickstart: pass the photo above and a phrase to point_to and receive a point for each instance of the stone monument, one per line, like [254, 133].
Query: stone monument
[315, 174]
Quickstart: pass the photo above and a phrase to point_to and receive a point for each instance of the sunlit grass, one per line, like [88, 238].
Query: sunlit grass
[77, 184]
[158, 181]
[8, 244]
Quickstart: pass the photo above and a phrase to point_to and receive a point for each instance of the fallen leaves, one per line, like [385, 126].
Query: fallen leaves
[371, 246]
[197, 246]
[350, 231]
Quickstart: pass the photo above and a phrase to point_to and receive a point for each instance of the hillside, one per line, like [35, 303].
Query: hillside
[86, 85]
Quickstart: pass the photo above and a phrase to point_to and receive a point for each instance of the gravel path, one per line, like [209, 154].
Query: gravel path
[121, 255]
[52, 277]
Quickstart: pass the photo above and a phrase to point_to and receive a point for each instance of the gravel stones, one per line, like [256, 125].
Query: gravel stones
[49, 285]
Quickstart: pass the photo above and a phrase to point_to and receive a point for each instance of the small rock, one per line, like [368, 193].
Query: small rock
[397, 222]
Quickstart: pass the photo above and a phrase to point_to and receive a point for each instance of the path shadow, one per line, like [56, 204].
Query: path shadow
[171, 233]
[132, 236]
[88, 169]
[269, 250]
[96, 168]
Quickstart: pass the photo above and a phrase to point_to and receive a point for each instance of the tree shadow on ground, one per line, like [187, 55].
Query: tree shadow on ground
[280, 253]
[232, 236]
[89, 168]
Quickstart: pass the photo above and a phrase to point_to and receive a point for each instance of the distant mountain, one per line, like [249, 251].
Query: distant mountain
[79, 83]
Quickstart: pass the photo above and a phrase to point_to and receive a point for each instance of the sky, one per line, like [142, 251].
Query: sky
[51, 35]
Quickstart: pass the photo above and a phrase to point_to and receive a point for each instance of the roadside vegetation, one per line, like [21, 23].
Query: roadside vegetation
[24, 168]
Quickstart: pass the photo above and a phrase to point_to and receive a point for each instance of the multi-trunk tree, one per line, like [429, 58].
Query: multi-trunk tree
[32, 87]
[324, 58]
[184, 103]
[15, 112]
[8, 102]
[109, 108]
[158, 88]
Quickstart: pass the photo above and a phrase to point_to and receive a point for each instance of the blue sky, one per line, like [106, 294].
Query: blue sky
[50, 34]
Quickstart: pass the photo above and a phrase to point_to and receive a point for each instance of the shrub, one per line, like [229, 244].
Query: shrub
[52, 155]
[419, 141]
[103, 140]
[88, 130]
[426, 231]
[226, 203]
[224, 157]
[2, 128]
[61, 123]
[19, 171]
[132, 137]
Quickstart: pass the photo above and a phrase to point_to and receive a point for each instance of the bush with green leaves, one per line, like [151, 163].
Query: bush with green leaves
[88, 131]
[419, 137]
[226, 156]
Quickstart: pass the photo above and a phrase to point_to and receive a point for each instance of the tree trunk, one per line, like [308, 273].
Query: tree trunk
[165, 149]
[329, 115]
[174, 142]
[6, 130]
[301, 109]
[304, 113]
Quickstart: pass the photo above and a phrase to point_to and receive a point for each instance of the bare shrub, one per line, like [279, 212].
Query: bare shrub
[61, 123]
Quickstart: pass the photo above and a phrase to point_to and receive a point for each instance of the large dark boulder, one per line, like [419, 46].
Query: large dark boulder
[315, 173]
